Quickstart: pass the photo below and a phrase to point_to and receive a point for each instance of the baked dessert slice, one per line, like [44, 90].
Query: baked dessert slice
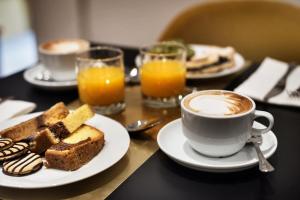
[25, 129]
[24, 165]
[73, 121]
[42, 140]
[51, 135]
[76, 150]
[5, 143]
[213, 60]
[14, 151]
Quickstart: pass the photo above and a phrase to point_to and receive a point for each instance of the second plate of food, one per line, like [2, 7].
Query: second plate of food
[116, 145]
[211, 62]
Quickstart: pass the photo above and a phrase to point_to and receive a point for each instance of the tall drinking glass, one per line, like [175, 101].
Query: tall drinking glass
[163, 76]
[100, 77]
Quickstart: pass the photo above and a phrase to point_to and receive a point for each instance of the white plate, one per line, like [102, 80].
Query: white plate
[172, 142]
[238, 59]
[31, 74]
[116, 145]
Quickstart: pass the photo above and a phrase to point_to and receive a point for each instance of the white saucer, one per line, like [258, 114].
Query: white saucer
[172, 142]
[31, 74]
[238, 59]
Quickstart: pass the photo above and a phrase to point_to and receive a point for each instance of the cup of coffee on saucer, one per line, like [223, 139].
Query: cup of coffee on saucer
[218, 123]
[58, 57]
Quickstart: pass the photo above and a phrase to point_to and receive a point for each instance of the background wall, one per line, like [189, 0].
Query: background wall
[125, 22]
[26, 23]
[17, 41]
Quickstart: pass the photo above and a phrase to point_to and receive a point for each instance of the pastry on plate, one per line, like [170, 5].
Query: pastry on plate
[14, 151]
[46, 137]
[76, 150]
[24, 165]
[211, 60]
[25, 129]
[5, 143]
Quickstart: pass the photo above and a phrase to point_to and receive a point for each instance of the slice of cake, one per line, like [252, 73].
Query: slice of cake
[76, 150]
[212, 60]
[42, 140]
[48, 136]
[73, 121]
[25, 129]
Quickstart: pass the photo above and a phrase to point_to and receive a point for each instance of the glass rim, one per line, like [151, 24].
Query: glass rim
[145, 51]
[118, 50]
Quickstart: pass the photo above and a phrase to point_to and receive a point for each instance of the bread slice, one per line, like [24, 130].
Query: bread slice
[51, 135]
[42, 140]
[76, 150]
[25, 129]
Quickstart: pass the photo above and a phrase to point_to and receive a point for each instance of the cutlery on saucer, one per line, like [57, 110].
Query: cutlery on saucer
[46, 76]
[264, 165]
[133, 76]
[142, 125]
[43, 76]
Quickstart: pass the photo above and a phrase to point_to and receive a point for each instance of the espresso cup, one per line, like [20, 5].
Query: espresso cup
[218, 123]
[58, 57]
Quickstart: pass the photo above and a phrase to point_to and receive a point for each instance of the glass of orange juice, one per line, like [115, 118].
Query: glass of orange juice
[100, 78]
[162, 75]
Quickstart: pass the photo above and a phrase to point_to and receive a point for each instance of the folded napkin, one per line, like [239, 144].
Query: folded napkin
[12, 108]
[265, 78]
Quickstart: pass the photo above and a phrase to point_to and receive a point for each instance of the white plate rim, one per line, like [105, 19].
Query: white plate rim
[238, 59]
[237, 67]
[28, 76]
[121, 132]
[211, 168]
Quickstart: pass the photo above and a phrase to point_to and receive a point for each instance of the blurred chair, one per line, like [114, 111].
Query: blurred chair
[255, 28]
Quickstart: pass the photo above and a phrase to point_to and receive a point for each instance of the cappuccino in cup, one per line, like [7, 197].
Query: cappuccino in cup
[218, 123]
[217, 103]
[58, 57]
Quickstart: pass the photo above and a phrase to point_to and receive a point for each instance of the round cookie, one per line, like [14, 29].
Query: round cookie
[5, 143]
[24, 165]
[14, 151]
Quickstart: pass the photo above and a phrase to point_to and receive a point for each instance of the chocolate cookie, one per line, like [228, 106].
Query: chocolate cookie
[24, 165]
[5, 143]
[14, 151]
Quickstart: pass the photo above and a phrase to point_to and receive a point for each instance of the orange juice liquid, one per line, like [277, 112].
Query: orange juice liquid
[101, 86]
[163, 78]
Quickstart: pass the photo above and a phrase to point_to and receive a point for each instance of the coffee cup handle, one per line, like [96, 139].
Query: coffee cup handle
[270, 118]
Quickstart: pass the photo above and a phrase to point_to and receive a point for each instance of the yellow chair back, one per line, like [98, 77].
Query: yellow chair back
[255, 28]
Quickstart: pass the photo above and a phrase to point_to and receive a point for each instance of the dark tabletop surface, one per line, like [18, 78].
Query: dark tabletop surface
[161, 178]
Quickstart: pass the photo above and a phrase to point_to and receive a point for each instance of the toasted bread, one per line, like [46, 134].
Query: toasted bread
[25, 129]
[51, 135]
[73, 121]
[76, 150]
[42, 140]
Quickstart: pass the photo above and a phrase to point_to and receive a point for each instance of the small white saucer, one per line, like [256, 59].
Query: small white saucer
[31, 74]
[172, 142]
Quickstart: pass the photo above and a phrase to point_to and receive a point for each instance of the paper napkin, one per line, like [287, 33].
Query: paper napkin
[265, 78]
[12, 108]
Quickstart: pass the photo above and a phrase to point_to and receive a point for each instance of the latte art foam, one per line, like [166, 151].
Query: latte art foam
[64, 46]
[217, 103]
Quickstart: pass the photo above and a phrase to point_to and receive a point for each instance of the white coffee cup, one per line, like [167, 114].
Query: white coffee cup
[58, 57]
[214, 133]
